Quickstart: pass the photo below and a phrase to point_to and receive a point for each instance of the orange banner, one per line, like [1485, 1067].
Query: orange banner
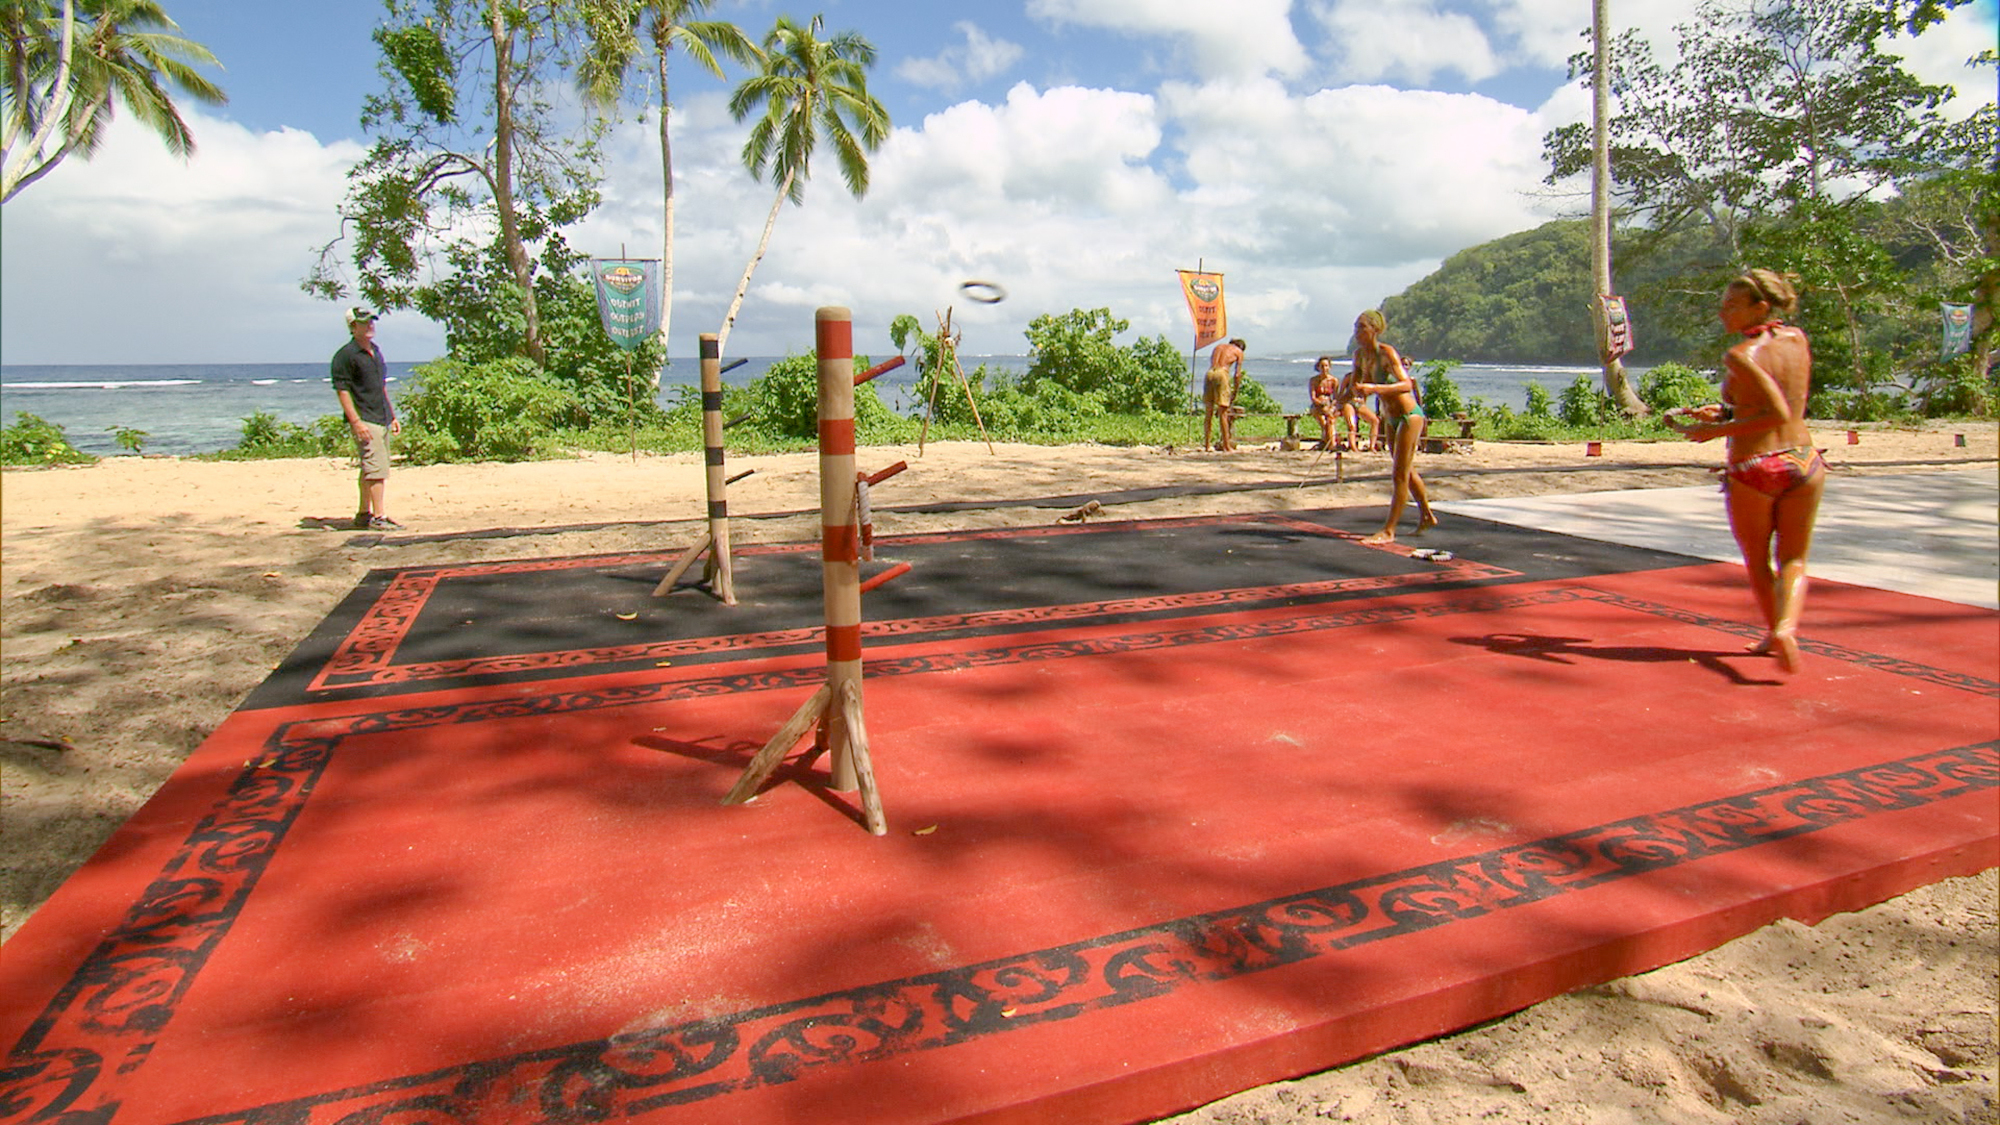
[1204, 298]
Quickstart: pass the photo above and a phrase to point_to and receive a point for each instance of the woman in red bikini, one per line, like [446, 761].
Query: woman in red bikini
[1774, 476]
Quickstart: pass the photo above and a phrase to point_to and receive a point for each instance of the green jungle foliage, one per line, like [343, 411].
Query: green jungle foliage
[31, 440]
[265, 436]
[1526, 298]
[1076, 352]
[500, 410]
[482, 321]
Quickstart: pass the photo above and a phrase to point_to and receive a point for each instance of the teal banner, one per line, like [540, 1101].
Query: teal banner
[1957, 329]
[628, 299]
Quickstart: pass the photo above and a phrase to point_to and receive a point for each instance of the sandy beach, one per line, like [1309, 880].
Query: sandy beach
[143, 598]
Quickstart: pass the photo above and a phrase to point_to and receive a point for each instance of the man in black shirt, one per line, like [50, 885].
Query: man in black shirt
[360, 379]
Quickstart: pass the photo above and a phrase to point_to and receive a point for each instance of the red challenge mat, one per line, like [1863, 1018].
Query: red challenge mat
[1130, 867]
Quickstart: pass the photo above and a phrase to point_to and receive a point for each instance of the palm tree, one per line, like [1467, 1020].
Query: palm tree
[666, 24]
[68, 71]
[1615, 381]
[808, 87]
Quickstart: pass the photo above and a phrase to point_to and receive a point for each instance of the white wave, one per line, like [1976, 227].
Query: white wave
[108, 385]
[1529, 369]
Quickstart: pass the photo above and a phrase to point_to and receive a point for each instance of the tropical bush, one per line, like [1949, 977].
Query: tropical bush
[1539, 404]
[503, 410]
[1076, 351]
[1440, 394]
[265, 436]
[1045, 411]
[478, 304]
[34, 441]
[1857, 406]
[1584, 403]
[1673, 385]
[784, 402]
[1253, 397]
[1956, 386]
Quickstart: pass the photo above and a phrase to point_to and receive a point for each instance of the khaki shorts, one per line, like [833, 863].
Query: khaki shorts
[1217, 390]
[374, 453]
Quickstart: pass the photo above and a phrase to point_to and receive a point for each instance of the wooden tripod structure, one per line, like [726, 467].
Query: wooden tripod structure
[715, 541]
[948, 357]
[835, 708]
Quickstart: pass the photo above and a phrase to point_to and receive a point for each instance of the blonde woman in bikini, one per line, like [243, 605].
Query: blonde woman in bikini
[1774, 477]
[1378, 370]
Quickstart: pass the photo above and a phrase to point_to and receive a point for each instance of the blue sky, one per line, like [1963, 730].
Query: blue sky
[1322, 153]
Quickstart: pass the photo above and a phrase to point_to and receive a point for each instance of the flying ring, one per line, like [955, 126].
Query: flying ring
[985, 292]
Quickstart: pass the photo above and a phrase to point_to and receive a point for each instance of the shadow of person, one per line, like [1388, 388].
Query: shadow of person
[1569, 650]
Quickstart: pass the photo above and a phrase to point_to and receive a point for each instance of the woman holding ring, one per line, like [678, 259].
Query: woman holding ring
[1773, 478]
[1378, 370]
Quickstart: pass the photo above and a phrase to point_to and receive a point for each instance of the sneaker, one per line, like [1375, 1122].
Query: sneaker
[383, 523]
[361, 521]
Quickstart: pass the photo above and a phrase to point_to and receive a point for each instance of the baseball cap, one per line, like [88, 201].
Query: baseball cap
[359, 313]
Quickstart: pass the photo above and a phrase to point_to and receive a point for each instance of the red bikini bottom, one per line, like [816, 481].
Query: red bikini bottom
[1777, 472]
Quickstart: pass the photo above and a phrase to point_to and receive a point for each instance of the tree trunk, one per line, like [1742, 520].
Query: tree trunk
[1986, 296]
[1853, 337]
[20, 170]
[743, 286]
[503, 182]
[667, 247]
[1615, 382]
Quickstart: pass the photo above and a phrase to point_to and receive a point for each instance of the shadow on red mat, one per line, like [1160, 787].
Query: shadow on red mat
[1148, 845]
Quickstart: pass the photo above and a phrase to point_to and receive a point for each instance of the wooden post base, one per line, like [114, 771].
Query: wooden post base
[821, 710]
[716, 574]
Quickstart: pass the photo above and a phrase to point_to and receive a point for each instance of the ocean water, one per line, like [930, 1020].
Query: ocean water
[200, 408]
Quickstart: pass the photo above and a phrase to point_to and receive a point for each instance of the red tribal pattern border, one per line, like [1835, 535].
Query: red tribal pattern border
[103, 1022]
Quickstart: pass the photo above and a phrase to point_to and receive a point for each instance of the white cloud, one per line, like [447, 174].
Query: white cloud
[1411, 40]
[138, 257]
[980, 57]
[1543, 33]
[1240, 39]
[1316, 205]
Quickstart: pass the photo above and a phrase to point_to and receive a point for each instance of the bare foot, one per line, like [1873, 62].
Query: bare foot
[1381, 537]
[1425, 522]
[1785, 647]
[1762, 648]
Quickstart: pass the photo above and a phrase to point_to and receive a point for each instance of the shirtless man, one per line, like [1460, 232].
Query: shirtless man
[1218, 392]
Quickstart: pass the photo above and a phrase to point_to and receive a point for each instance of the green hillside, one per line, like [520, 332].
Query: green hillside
[1526, 298]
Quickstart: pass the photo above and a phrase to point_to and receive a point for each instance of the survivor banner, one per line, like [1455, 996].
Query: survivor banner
[628, 299]
[1204, 298]
[1957, 329]
[1616, 326]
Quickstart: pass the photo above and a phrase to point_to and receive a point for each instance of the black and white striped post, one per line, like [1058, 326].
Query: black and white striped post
[717, 574]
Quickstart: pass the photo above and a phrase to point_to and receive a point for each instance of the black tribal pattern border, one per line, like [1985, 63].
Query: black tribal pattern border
[106, 1018]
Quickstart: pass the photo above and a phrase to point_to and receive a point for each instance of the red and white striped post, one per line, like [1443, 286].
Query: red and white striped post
[840, 547]
[718, 573]
[836, 706]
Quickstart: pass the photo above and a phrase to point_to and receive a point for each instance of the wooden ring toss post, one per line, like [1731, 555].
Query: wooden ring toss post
[836, 706]
[718, 573]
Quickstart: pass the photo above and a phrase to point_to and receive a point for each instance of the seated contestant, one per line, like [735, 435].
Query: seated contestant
[1378, 370]
[1774, 477]
[1218, 392]
[1322, 389]
[1353, 406]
